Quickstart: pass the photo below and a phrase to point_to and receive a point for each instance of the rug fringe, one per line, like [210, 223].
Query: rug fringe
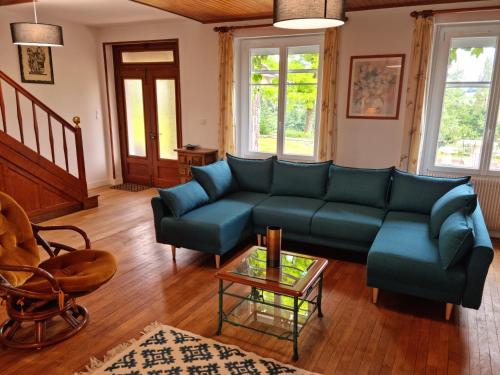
[151, 327]
[98, 363]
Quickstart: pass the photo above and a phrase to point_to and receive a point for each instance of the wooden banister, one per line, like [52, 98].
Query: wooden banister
[34, 99]
[75, 129]
[2, 109]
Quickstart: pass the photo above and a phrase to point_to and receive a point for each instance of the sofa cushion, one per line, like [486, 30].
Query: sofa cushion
[415, 193]
[252, 174]
[183, 198]
[300, 179]
[216, 179]
[455, 239]
[216, 227]
[405, 258]
[293, 214]
[460, 197]
[347, 222]
[358, 185]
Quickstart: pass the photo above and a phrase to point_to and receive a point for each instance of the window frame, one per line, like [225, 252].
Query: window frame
[244, 45]
[435, 97]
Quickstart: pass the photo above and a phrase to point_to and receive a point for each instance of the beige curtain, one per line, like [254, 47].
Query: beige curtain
[226, 85]
[328, 119]
[419, 67]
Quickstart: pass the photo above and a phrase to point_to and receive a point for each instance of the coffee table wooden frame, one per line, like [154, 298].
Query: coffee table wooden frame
[301, 292]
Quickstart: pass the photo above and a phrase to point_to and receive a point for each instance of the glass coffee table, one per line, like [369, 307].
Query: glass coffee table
[274, 301]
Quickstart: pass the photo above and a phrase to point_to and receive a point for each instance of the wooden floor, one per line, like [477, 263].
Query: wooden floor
[400, 335]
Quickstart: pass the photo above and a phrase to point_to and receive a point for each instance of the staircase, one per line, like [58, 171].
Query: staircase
[41, 156]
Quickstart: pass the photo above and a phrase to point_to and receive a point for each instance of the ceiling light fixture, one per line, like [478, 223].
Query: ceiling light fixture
[308, 14]
[36, 34]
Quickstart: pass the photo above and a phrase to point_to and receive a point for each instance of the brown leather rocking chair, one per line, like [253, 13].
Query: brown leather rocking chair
[37, 292]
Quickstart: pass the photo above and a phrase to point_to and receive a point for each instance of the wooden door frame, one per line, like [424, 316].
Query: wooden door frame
[150, 114]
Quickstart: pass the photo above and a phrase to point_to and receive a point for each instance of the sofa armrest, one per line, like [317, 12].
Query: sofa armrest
[160, 210]
[478, 263]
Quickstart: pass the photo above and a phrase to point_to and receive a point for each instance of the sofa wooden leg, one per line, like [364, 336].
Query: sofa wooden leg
[449, 310]
[259, 239]
[174, 249]
[374, 295]
[264, 240]
[217, 261]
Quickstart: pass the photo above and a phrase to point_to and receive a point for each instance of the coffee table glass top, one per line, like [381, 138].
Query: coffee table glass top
[294, 267]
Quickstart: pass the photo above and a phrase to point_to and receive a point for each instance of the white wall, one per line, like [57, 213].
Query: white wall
[363, 142]
[76, 89]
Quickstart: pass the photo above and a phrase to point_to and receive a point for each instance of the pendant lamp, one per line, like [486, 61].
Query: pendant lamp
[308, 14]
[36, 34]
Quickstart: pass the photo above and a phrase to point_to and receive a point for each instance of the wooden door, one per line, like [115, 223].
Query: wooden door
[149, 112]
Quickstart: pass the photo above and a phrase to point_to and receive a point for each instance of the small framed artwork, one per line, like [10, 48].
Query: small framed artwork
[375, 84]
[36, 64]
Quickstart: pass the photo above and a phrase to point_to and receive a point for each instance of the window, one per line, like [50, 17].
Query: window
[278, 111]
[463, 132]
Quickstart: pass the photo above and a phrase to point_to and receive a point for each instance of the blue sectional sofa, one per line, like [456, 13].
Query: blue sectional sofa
[424, 236]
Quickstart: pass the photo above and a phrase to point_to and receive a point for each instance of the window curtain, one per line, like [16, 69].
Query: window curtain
[415, 96]
[226, 88]
[328, 119]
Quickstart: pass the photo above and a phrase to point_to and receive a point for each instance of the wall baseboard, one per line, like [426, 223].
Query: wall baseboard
[100, 183]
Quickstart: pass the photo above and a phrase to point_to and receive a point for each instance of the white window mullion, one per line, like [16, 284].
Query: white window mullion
[492, 117]
[282, 101]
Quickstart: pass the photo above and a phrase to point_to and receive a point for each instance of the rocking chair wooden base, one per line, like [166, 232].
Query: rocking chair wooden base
[75, 317]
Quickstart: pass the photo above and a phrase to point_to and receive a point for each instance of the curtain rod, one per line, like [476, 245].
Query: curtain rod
[225, 29]
[430, 12]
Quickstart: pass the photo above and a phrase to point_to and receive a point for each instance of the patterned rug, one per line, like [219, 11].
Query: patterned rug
[131, 187]
[166, 350]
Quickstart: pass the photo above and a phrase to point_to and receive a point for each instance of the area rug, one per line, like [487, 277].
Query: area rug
[166, 350]
[131, 187]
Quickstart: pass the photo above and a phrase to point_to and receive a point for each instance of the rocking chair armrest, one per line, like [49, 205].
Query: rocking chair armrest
[59, 246]
[4, 284]
[44, 228]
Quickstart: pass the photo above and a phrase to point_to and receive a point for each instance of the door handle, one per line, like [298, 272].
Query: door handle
[152, 136]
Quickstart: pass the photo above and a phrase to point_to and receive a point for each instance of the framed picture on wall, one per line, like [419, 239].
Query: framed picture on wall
[375, 84]
[36, 64]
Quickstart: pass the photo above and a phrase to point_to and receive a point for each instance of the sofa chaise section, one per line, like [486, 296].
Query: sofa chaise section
[404, 258]
[213, 228]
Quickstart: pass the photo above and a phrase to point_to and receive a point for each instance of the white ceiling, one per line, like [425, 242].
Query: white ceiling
[92, 12]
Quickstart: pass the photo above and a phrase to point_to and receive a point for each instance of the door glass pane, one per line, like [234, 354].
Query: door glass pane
[144, 57]
[301, 97]
[167, 118]
[495, 156]
[264, 88]
[465, 103]
[134, 108]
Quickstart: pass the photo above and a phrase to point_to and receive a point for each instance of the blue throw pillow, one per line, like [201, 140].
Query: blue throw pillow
[300, 179]
[216, 179]
[456, 239]
[183, 198]
[415, 193]
[254, 175]
[358, 185]
[461, 197]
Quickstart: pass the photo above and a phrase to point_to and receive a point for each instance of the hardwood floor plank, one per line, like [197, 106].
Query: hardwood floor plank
[399, 335]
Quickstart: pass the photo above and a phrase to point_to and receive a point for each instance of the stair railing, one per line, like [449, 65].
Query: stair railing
[75, 129]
